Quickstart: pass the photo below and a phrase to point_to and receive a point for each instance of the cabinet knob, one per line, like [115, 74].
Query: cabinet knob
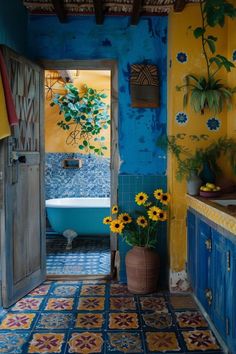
[208, 244]
[209, 296]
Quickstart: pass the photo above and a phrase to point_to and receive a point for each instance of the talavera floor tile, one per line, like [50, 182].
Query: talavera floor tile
[67, 317]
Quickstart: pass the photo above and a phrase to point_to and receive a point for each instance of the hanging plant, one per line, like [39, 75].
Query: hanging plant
[85, 116]
[208, 91]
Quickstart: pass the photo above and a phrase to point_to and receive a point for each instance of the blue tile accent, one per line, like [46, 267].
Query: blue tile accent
[91, 180]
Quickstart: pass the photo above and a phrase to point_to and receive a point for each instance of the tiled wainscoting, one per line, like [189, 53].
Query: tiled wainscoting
[85, 317]
[91, 180]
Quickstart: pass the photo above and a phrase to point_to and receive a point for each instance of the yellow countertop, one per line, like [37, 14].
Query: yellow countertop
[220, 215]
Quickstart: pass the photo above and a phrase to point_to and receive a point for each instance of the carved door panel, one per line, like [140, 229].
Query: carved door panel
[22, 217]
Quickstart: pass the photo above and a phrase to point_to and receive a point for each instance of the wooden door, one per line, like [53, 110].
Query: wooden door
[22, 163]
[192, 247]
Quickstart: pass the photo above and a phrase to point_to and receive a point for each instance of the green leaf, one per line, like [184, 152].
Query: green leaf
[198, 32]
[91, 147]
[81, 147]
[85, 143]
[211, 45]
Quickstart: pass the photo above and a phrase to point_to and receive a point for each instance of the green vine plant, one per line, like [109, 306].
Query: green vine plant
[85, 117]
[189, 161]
[209, 91]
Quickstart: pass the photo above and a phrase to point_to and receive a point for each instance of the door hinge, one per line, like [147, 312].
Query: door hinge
[227, 327]
[208, 244]
[228, 261]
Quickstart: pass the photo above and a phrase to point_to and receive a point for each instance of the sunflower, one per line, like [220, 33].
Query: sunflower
[165, 198]
[125, 218]
[162, 215]
[117, 226]
[158, 193]
[142, 221]
[114, 209]
[141, 198]
[153, 213]
[107, 220]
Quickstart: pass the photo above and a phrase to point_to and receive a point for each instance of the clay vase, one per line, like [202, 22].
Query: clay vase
[143, 268]
[193, 183]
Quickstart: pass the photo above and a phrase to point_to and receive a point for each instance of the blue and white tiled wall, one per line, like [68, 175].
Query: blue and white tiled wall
[91, 180]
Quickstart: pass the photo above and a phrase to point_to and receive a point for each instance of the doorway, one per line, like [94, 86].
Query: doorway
[80, 169]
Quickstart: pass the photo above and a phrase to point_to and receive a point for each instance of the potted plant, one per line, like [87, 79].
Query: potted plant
[200, 162]
[85, 115]
[140, 232]
[208, 91]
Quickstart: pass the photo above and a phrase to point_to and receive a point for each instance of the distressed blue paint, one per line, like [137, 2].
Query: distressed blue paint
[81, 38]
[13, 25]
[143, 164]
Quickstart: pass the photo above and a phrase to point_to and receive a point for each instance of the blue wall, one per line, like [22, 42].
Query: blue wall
[91, 180]
[13, 25]
[81, 38]
[143, 164]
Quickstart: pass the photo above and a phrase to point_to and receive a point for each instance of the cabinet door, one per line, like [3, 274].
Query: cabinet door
[218, 280]
[231, 296]
[204, 244]
[192, 247]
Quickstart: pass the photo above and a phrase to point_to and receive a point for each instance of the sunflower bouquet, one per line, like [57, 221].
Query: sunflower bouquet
[141, 229]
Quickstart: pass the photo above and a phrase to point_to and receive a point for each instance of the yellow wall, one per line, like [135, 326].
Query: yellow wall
[181, 39]
[55, 137]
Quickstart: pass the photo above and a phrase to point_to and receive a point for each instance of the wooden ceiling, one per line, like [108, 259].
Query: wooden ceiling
[102, 8]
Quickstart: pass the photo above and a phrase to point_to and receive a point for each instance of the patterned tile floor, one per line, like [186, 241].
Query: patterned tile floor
[99, 317]
[88, 256]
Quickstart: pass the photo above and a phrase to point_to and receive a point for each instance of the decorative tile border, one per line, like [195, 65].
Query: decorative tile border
[222, 219]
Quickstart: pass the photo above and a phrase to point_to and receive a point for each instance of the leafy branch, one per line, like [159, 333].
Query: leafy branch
[85, 117]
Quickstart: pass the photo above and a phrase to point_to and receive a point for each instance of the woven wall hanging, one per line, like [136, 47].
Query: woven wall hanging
[145, 86]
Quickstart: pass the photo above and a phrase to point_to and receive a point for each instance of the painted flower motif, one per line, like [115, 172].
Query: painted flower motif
[46, 343]
[165, 198]
[158, 193]
[181, 118]
[17, 321]
[126, 342]
[60, 304]
[141, 198]
[89, 321]
[153, 213]
[156, 304]
[191, 319]
[123, 321]
[114, 209]
[54, 321]
[182, 57]
[200, 340]
[125, 218]
[142, 221]
[86, 343]
[213, 124]
[117, 226]
[29, 303]
[119, 289]
[64, 290]
[12, 342]
[234, 55]
[92, 290]
[107, 220]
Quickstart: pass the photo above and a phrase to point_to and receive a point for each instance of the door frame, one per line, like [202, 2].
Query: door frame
[100, 64]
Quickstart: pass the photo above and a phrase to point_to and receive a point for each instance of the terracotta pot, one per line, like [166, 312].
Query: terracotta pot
[143, 268]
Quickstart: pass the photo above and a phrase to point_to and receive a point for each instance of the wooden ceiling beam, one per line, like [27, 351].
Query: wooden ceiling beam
[99, 11]
[136, 11]
[179, 5]
[60, 10]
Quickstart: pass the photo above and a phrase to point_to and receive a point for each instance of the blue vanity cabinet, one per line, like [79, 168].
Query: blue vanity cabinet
[231, 295]
[218, 275]
[191, 264]
[212, 273]
[203, 266]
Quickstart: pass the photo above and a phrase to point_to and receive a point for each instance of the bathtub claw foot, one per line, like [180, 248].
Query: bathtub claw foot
[70, 235]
